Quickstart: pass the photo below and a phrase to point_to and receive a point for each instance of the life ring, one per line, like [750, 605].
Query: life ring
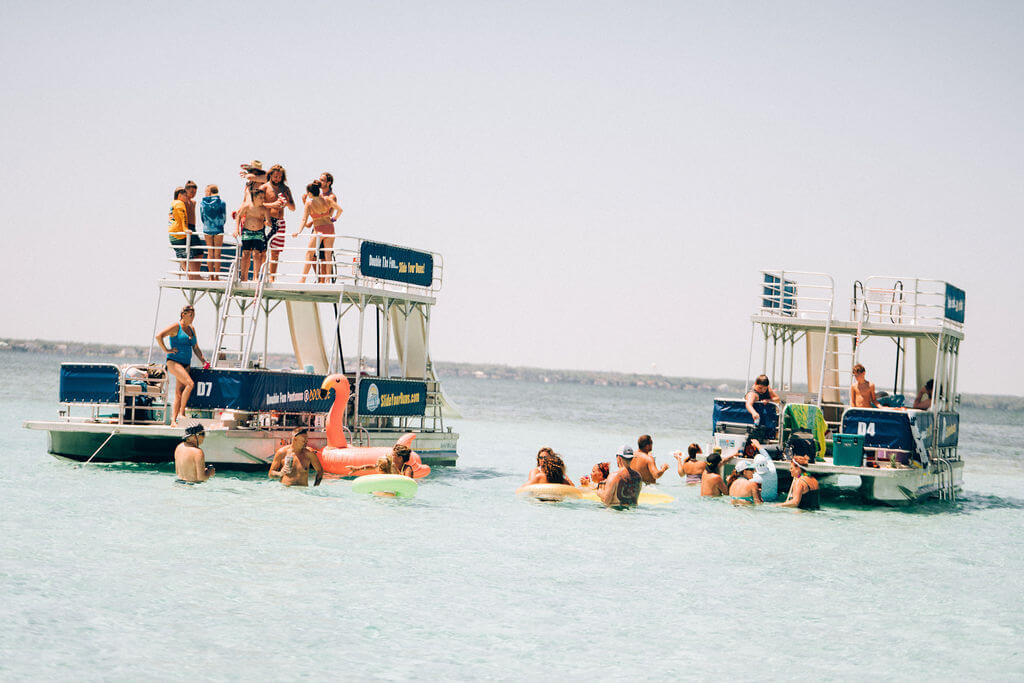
[393, 484]
[552, 493]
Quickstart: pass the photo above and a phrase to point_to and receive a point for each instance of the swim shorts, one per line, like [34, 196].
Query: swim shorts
[277, 238]
[253, 240]
[179, 247]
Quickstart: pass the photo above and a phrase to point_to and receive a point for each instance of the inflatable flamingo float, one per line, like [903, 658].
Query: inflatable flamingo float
[338, 457]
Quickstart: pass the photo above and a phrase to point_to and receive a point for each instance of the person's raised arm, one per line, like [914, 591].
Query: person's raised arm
[679, 463]
[335, 208]
[278, 463]
[660, 471]
[749, 398]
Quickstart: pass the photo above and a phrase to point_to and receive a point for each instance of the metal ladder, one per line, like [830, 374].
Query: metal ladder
[249, 307]
[945, 485]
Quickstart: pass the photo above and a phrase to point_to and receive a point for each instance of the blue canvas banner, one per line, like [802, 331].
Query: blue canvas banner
[734, 411]
[392, 396]
[89, 383]
[259, 390]
[398, 264]
[881, 428]
[956, 303]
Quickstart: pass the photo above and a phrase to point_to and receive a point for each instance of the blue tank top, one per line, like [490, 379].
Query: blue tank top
[183, 343]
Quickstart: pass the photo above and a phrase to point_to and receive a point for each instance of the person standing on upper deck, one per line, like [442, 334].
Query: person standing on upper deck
[862, 392]
[177, 232]
[761, 392]
[277, 197]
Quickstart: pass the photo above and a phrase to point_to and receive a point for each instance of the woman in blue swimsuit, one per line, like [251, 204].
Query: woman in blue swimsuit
[179, 357]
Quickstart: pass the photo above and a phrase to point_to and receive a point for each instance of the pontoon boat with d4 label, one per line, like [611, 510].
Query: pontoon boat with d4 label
[897, 453]
[378, 300]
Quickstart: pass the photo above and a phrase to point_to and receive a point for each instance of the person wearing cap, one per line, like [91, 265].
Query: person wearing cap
[742, 487]
[292, 462]
[189, 459]
[623, 487]
[643, 461]
[803, 493]
[761, 392]
[690, 469]
[711, 483]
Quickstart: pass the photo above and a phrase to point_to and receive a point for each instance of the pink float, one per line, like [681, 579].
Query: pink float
[338, 457]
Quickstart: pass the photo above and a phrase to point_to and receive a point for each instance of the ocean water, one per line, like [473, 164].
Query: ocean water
[114, 572]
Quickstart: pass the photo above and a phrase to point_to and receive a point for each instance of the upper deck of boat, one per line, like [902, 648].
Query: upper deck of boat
[903, 307]
[353, 269]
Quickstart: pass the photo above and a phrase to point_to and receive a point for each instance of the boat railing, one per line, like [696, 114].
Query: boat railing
[907, 301]
[315, 260]
[797, 294]
[138, 393]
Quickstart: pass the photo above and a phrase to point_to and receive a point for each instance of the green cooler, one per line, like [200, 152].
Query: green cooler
[848, 450]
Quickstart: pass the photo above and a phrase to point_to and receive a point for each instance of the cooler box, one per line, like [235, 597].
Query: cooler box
[848, 450]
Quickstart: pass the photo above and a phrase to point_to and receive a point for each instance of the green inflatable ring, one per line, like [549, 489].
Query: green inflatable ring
[393, 484]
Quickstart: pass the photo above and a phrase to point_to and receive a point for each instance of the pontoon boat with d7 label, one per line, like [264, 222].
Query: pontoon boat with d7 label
[377, 300]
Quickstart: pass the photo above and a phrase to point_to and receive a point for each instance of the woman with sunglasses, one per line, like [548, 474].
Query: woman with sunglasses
[179, 358]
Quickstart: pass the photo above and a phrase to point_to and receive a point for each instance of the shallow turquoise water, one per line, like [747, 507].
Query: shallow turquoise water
[114, 572]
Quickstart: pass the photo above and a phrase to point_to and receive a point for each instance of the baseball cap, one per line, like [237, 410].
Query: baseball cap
[744, 466]
[194, 430]
[625, 452]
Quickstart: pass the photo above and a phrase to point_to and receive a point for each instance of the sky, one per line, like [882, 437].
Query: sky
[604, 180]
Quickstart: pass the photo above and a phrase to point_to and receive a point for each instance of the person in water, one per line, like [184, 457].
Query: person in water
[189, 460]
[292, 462]
[252, 217]
[544, 451]
[742, 487]
[761, 392]
[214, 214]
[691, 469]
[862, 392]
[803, 493]
[711, 483]
[597, 478]
[552, 471]
[643, 461]
[179, 358]
[923, 400]
[622, 488]
[400, 455]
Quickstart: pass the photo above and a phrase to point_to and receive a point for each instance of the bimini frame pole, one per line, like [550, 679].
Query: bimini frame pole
[156, 323]
[359, 357]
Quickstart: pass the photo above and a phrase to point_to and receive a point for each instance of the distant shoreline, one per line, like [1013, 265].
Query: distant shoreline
[485, 371]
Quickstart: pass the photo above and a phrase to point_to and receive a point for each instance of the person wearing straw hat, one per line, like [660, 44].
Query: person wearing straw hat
[189, 460]
[803, 493]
